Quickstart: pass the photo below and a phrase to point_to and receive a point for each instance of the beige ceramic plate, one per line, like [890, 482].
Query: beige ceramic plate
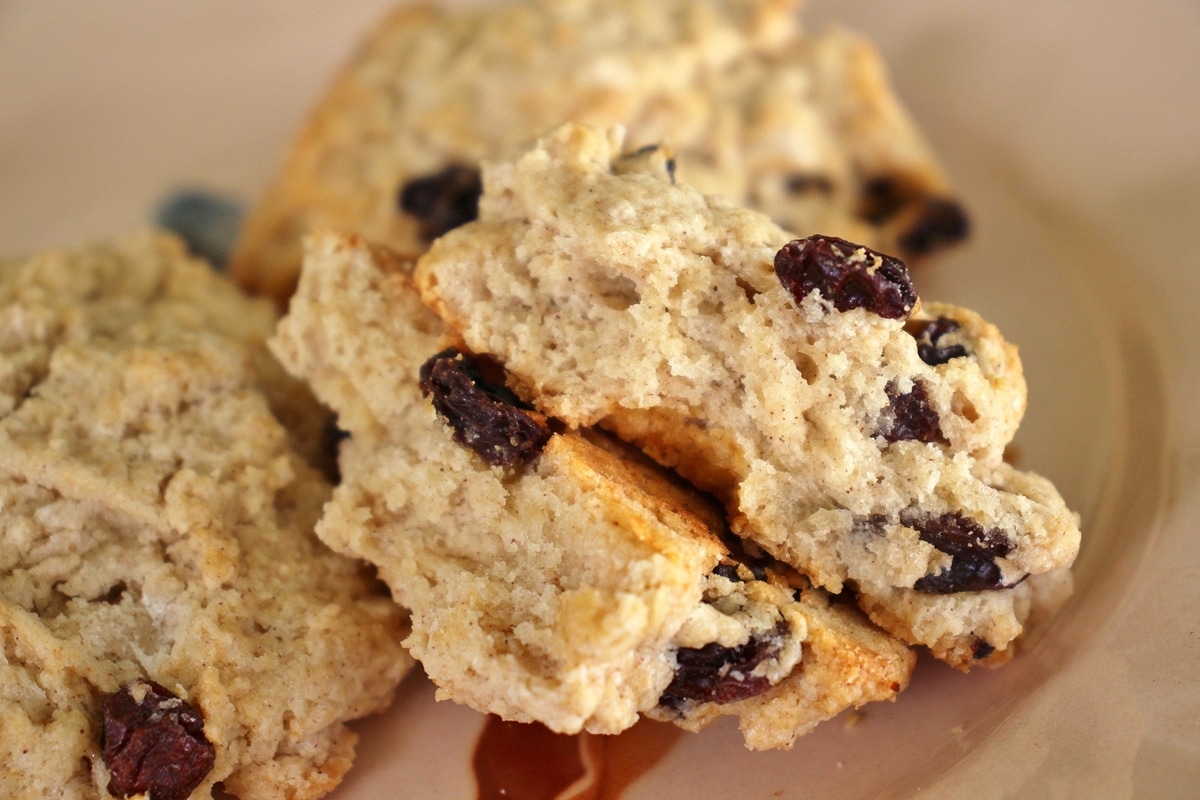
[1073, 130]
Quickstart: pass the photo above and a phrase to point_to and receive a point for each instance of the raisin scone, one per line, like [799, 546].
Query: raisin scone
[552, 575]
[801, 125]
[170, 624]
[853, 432]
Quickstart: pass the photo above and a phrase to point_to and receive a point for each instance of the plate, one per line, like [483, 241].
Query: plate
[1071, 130]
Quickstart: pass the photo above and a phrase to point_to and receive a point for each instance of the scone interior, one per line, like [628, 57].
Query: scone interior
[853, 431]
[800, 124]
[169, 622]
[553, 575]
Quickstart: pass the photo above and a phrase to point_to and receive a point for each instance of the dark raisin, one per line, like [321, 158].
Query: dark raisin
[910, 417]
[846, 274]
[931, 344]
[442, 201]
[717, 674]
[115, 594]
[804, 183]
[331, 441]
[972, 549]
[486, 417]
[883, 198]
[153, 742]
[954, 534]
[744, 554]
[982, 649]
[728, 571]
[970, 573]
[940, 222]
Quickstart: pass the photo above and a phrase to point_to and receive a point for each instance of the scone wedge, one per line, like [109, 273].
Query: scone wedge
[169, 622]
[553, 575]
[801, 124]
[851, 430]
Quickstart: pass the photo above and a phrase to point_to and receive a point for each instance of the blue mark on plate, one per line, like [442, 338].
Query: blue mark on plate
[207, 222]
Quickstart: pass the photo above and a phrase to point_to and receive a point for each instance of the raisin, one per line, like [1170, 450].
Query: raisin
[910, 416]
[969, 573]
[972, 549]
[153, 743]
[804, 183]
[744, 555]
[442, 201]
[846, 274]
[954, 534]
[331, 441]
[742, 570]
[941, 222]
[486, 417]
[717, 674]
[728, 572]
[930, 345]
[883, 198]
[982, 649]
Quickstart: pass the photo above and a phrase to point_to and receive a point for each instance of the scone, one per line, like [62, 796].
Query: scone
[803, 126]
[553, 575]
[169, 622]
[852, 431]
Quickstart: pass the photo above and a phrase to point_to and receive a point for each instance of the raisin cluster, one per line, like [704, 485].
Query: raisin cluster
[973, 550]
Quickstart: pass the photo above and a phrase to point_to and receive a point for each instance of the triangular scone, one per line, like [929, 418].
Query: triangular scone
[168, 620]
[802, 125]
[552, 575]
[851, 431]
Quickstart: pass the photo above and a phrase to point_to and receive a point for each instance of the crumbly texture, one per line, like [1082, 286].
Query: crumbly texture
[571, 588]
[864, 449]
[803, 126]
[156, 524]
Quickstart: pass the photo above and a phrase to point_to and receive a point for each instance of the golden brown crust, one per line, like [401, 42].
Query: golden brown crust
[800, 125]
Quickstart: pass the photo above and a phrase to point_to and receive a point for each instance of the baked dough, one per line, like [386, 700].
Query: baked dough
[157, 554]
[553, 575]
[852, 431]
[802, 125]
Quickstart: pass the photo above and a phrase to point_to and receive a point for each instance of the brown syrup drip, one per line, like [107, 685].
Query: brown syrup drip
[518, 761]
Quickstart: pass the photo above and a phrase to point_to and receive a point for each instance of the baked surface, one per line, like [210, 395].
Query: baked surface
[156, 524]
[852, 431]
[574, 584]
[803, 126]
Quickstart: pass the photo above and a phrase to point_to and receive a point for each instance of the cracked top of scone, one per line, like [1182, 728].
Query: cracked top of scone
[160, 581]
[802, 125]
[852, 430]
[552, 575]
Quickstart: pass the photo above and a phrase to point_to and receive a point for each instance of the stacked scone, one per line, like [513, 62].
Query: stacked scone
[640, 415]
[553, 574]
[852, 438]
[851, 431]
[622, 446]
